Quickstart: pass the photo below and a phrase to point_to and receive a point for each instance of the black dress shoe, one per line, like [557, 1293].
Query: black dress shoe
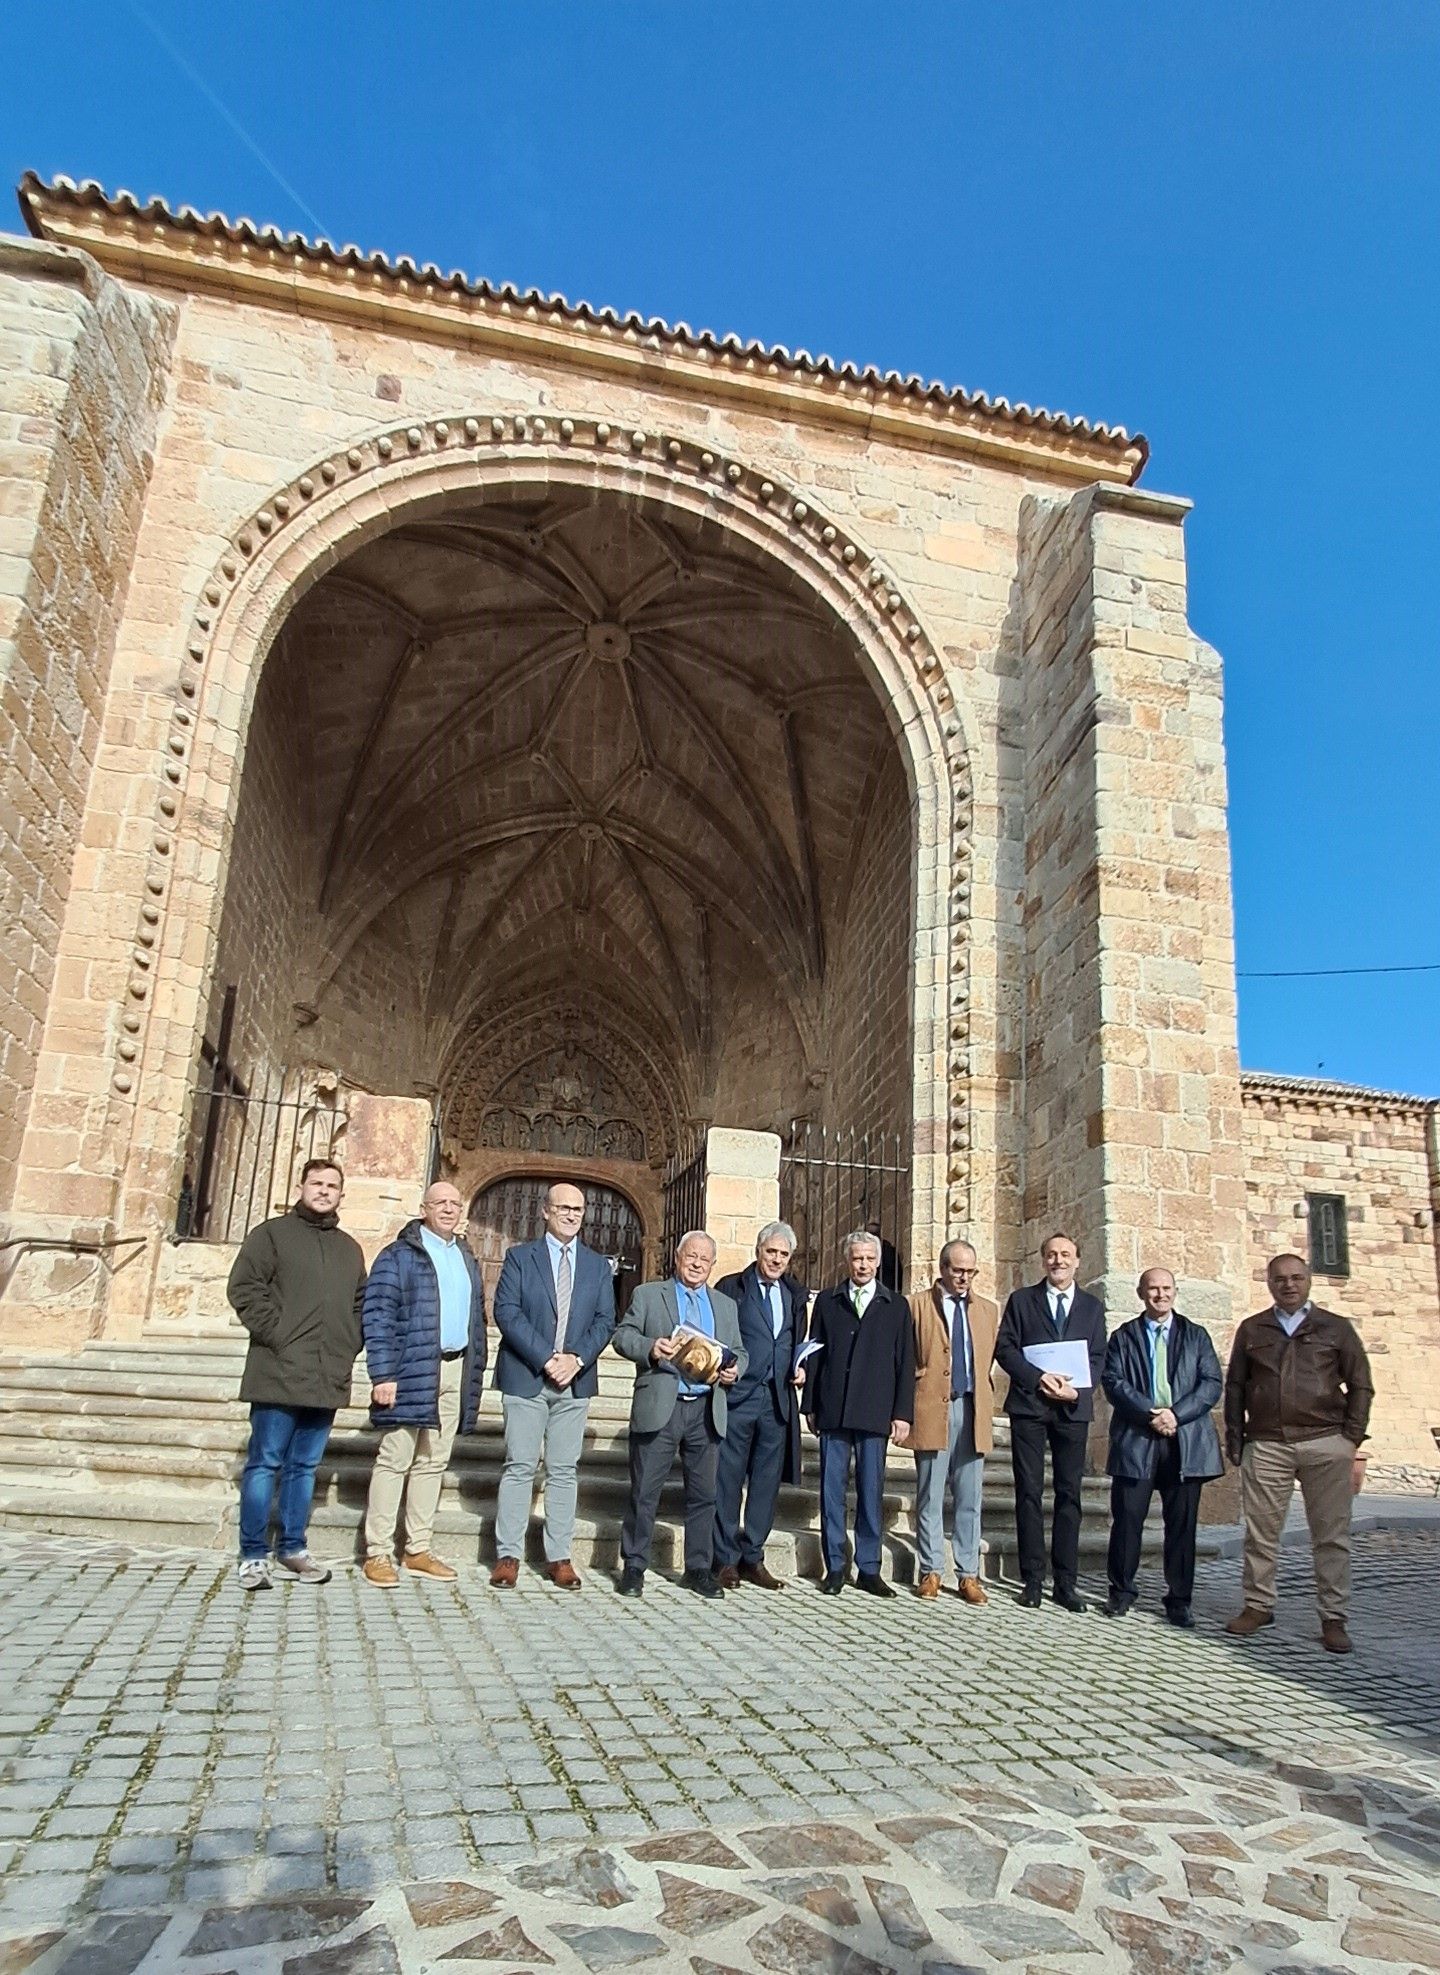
[702, 1583]
[1180, 1615]
[632, 1582]
[1030, 1597]
[1117, 1605]
[1067, 1598]
[833, 1583]
[874, 1583]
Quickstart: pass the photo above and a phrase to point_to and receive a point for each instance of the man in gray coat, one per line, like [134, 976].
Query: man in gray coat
[670, 1412]
[297, 1286]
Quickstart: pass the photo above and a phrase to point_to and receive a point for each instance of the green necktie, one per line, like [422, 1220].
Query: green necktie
[1160, 1376]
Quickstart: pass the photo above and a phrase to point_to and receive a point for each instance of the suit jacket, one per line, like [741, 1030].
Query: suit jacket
[863, 1376]
[772, 1358]
[931, 1431]
[654, 1312]
[1194, 1374]
[1027, 1321]
[525, 1317]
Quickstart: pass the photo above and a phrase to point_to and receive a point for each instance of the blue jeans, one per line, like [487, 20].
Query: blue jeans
[286, 1442]
[837, 1450]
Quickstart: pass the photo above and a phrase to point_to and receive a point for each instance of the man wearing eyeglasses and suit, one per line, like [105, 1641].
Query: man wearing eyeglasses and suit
[954, 1347]
[762, 1427]
[670, 1413]
[1046, 1410]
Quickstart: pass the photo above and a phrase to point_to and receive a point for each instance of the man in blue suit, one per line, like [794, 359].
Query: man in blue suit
[762, 1433]
[555, 1311]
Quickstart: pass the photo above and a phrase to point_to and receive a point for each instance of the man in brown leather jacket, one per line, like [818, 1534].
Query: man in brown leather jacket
[1297, 1403]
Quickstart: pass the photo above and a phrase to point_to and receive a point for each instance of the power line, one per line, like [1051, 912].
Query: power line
[1331, 973]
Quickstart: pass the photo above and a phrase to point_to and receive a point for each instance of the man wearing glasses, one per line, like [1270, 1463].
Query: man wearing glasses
[954, 1344]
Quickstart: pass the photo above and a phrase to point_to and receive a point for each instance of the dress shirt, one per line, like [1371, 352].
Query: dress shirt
[694, 1308]
[1055, 1295]
[860, 1295]
[454, 1279]
[957, 1317]
[1290, 1324]
[1157, 1337]
[773, 1303]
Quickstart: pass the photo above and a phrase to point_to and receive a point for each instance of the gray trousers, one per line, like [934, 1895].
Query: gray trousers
[552, 1424]
[964, 1470]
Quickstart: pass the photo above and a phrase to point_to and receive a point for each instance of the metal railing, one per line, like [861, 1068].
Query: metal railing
[835, 1180]
[683, 1194]
[250, 1149]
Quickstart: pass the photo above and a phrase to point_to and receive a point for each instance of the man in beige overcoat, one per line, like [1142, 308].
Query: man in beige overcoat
[954, 1345]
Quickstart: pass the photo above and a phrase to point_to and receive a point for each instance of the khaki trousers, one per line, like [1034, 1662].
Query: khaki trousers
[411, 1463]
[1269, 1470]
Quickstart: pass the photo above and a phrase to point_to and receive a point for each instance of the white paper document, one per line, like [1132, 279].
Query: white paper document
[1069, 1357]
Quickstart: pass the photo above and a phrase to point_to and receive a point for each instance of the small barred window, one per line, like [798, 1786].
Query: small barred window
[1329, 1236]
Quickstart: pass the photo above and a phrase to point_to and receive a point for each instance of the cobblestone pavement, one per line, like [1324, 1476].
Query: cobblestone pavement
[345, 1782]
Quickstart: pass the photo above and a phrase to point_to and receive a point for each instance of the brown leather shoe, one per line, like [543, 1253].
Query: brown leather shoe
[929, 1585]
[728, 1577]
[563, 1574]
[1248, 1621]
[424, 1565]
[757, 1574]
[1333, 1636]
[972, 1591]
[506, 1574]
[381, 1571]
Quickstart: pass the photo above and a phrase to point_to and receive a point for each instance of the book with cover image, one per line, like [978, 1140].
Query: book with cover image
[698, 1358]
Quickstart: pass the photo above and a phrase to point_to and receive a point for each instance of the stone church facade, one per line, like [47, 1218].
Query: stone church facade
[430, 701]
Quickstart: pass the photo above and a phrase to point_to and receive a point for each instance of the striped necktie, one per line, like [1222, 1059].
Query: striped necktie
[562, 1298]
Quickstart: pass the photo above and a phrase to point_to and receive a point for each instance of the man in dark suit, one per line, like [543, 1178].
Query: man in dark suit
[859, 1393]
[1046, 1409]
[670, 1412]
[1162, 1379]
[555, 1311]
[762, 1429]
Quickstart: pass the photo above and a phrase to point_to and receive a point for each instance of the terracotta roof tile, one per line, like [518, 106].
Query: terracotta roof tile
[1263, 1083]
[34, 195]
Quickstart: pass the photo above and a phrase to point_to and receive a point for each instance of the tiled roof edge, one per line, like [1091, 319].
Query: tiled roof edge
[1265, 1083]
[88, 194]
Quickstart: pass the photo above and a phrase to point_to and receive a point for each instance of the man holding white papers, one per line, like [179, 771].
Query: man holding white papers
[954, 1346]
[671, 1413]
[1051, 1346]
[1162, 1378]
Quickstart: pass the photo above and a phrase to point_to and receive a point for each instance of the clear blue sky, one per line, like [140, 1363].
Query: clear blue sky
[1218, 224]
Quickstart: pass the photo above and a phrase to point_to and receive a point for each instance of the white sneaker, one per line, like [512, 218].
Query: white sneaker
[255, 1574]
[308, 1569]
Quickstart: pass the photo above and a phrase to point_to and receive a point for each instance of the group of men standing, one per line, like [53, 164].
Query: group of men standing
[867, 1369]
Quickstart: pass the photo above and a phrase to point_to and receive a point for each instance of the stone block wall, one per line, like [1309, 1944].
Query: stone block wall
[83, 365]
[1379, 1153]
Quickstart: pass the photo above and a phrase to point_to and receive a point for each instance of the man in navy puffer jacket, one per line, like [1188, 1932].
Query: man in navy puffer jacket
[424, 1319]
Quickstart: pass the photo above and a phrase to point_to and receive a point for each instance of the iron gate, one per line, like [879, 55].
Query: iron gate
[835, 1180]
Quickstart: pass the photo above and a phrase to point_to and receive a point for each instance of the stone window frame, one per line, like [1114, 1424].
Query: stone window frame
[1334, 1241]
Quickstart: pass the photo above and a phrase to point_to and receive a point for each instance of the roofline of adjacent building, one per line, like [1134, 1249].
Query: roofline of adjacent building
[181, 249]
[1320, 1090]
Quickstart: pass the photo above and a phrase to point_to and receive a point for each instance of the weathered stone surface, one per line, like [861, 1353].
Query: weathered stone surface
[1213, 1882]
[1051, 1885]
[1124, 1878]
[508, 1942]
[791, 1946]
[114, 1946]
[373, 1953]
[1346, 1807]
[1262, 1934]
[1157, 1949]
[1010, 1932]
[813, 1844]
[1306, 1894]
[20, 1952]
[610, 1947]
[438, 1902]
[304, 1919]
[1072, 1798]
[1397, 1902]
[1208, 1844]
[825, 1894]
[687, 1848]
[590, 1877]
[963, 1859]
[1122, 1838]
[907, 1831]
[692, 1909]
[1392, 1940]
[899, 1915]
